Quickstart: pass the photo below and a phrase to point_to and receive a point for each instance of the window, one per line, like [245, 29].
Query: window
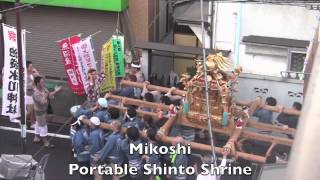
[183, 29]
[297, 61]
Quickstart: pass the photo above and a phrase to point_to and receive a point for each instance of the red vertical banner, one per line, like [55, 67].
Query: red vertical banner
[70, 64]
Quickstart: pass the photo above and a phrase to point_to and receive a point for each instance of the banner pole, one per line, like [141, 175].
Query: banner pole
[80, 34]
[21, 80]
[95, 33]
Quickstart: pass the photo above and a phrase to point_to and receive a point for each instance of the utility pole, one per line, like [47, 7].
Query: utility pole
[21, 80]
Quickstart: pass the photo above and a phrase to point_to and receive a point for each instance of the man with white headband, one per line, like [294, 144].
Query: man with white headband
[80, 145]
[136, 70]
[95, 141]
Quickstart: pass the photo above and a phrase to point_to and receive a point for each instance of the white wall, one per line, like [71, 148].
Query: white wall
[276, 88]
[263, 20]
[226, 25]
[278, 21]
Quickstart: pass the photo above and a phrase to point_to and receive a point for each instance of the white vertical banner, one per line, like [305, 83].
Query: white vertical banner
[85, 59]
[10, 88]
[24, 61]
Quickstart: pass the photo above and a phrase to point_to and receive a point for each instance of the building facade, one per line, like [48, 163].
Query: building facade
[265, 39]
[52, 21]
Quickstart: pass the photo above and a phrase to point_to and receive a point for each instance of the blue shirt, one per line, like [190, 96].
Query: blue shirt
[263, 116]
[187, 133]
[133, 122]
[80, 141]
[181, 160]
[82, 111]
[112, 149]
[126, 92]
[290, 120]
[103, 115]
[95, 141]
[154, 158]
[135, 158]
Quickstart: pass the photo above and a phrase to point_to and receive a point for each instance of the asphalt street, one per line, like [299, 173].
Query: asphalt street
[60, 156]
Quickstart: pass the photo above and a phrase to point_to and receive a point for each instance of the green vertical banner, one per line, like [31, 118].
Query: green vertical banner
[118, 56]
[108, 66]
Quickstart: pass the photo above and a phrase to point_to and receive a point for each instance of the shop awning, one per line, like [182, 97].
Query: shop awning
[284, 42]
[175, 48]
[191, 14]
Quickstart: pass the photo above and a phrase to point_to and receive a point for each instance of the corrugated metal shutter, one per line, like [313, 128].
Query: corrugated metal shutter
[49, 24]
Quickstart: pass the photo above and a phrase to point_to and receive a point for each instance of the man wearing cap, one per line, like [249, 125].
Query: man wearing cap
[101, 110]
[80, 145]
[95, 137]
[95, 141]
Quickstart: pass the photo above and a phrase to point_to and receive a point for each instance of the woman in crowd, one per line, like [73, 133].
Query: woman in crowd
[41, 97]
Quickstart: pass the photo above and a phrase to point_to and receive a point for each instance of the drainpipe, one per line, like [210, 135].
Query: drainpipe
[237, 36]
[214, 24]
[210, 16]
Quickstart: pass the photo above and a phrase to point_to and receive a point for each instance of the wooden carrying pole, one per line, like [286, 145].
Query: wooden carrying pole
[237, 132]
[183, 120]
[269, 127]
[256, 103]
[152, 87]
[140, 103]
[289, 111]
[170, 140]
[205, 147]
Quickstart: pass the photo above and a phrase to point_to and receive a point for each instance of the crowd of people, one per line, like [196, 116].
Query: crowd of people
[97, 128]
[264, 112]
[97, 135]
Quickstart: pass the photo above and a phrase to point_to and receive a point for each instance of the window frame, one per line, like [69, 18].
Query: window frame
[290, 52]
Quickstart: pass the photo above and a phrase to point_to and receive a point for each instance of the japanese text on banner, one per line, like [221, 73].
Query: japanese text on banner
[118, 57]
[10, 94]
[109, 66]
[70, 64]
[85, 59]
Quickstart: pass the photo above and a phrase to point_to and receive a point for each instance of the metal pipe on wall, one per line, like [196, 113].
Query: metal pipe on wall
[215, 22]
[237, 37]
